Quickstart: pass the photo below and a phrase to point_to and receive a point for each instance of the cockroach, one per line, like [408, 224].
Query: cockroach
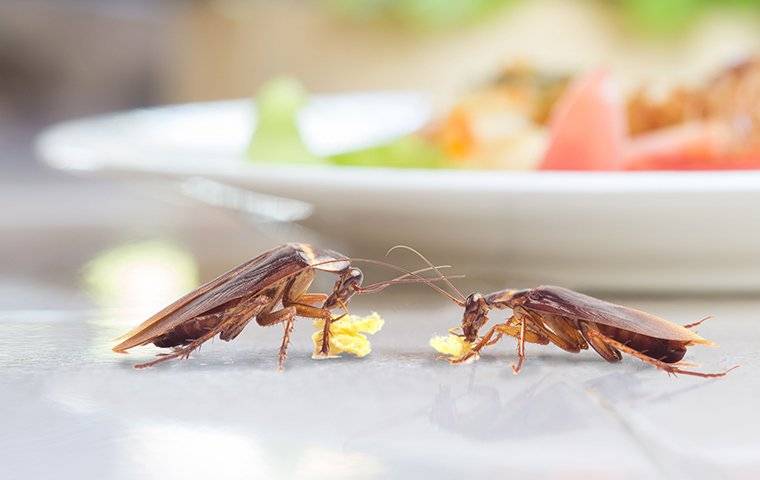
[572, 321]
[271, 288]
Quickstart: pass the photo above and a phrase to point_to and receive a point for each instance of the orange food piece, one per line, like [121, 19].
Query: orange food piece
[456, 136]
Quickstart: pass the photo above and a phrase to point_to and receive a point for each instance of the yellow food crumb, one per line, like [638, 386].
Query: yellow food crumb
[452, 345]
[346, 335]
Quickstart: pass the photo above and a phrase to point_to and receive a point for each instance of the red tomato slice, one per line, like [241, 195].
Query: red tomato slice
[692, 146]
[587, 127]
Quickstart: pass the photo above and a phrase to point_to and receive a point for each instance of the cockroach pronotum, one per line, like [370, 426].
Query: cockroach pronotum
[279, 277]
[573, 321]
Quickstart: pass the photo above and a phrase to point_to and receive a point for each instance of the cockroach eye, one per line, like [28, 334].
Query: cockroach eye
[474, 297]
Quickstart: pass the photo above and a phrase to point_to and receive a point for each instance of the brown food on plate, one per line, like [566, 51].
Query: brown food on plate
[732, 97]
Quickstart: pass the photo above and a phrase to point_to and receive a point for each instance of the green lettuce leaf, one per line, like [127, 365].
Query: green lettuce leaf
[277, 138]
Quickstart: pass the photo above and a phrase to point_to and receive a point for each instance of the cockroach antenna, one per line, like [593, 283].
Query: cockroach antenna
[407, 273]
[430, 264]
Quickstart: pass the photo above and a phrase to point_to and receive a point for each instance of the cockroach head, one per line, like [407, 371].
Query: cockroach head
[475, 315]
[348, 284]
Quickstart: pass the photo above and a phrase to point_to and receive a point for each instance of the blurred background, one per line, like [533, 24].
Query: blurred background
[71, 58]
[84, 257]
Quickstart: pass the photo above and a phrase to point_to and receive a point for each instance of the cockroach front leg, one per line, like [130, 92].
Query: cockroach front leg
[509, 328]
[304, 308]
[309, 311]
[485, 340]
[670, 368]
[513, 327]
[301, 306]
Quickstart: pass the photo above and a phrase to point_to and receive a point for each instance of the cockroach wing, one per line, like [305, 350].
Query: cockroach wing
[561, 301]
[247, 279]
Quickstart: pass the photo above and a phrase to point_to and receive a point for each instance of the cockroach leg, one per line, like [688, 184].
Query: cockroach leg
[565, 329]
[485, 340]
[695, 324]
[297, 297]
[669, 368]
[231, 319]
[242, 314]
[495, 340]
[278, 316]
[535, 323]
[462, 359]
[325, 348]
[343, 307]
[315, 312]
[234, 329]
[286, 315]
[238, 317]
[520, 348]
[312, 299]
[533, 333]
[184, 352]
[607, 352]
[285, 342]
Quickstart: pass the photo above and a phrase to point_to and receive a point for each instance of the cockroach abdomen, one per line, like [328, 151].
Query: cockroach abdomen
[668, 351]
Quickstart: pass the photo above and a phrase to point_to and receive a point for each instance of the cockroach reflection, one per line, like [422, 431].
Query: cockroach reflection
[271, 288]
[572, 321]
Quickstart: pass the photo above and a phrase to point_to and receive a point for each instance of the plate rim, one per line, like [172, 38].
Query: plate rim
[54, 151]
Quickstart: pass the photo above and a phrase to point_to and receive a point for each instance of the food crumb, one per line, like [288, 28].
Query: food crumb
[452, 345]
[347, 335]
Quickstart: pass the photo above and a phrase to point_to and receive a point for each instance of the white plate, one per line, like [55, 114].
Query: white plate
[609, 231]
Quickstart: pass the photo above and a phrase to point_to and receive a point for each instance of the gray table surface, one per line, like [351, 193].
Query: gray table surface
[73, 409]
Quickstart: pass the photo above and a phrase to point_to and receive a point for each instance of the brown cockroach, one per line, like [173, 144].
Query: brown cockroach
[280, 278]
[573, 321]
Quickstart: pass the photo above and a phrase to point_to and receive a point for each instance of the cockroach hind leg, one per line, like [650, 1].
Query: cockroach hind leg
[184, 352]
[163, 357]
[671, 369]
[683, 364]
